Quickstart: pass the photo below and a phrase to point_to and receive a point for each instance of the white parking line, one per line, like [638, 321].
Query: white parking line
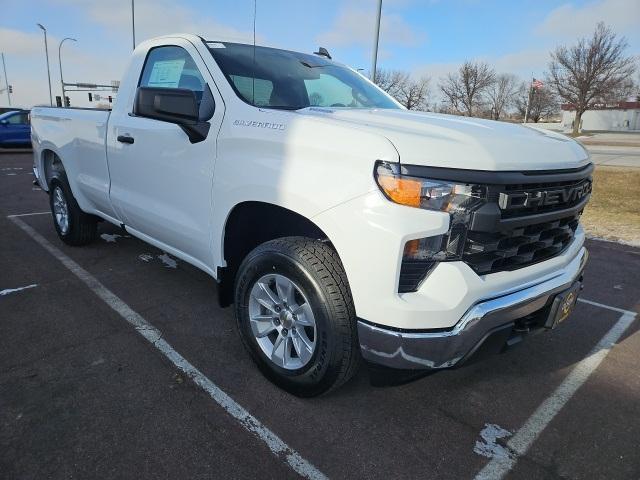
[608, 307]
[522, 440]
[154, 336]
[28, 214]
[7, 291]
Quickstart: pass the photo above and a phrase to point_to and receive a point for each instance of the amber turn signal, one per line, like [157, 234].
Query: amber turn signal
[405, 191]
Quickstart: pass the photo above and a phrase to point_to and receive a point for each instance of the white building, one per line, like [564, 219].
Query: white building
[623, 117]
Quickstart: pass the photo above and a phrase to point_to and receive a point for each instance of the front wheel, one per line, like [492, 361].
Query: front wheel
[295, 315]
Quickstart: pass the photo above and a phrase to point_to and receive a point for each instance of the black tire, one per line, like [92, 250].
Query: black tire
[316, 268]
[82, 228]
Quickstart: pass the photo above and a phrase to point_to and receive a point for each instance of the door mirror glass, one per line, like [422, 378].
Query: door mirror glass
[173, 105]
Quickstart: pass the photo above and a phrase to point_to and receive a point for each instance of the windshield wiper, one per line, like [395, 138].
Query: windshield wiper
[282, 107]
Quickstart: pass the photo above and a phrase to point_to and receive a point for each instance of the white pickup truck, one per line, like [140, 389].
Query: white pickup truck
[340, 225]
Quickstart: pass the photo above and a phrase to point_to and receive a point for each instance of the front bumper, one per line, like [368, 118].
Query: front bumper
[443, 348]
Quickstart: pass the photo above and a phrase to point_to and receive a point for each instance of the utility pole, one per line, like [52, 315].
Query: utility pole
[376, 38]
[46, 51]
[60, 63]
[133, 23]
[6, 80]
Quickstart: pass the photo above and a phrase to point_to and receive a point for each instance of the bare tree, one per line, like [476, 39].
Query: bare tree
[542, 102]
[589, 71]
[412, 93]
[465, 88]
[501, 94]
[625, 89]
[391, 81]
[415, 94]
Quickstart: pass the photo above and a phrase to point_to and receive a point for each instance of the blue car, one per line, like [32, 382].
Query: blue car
[15, 129]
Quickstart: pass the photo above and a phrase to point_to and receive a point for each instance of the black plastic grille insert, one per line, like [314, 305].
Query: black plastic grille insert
[493, 252]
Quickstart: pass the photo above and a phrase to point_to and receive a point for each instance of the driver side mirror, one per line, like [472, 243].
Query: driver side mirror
[4, 123]
[173, 105]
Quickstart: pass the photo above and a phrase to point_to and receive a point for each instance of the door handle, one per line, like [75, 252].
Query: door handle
[125, 139]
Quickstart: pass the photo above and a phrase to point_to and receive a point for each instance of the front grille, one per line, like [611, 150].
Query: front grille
[510, 235]
[490, 252]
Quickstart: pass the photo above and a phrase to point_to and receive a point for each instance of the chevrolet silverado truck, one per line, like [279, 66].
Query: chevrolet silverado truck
[341, 226]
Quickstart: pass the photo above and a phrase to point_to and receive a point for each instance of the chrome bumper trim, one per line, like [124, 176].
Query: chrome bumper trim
[443, 349]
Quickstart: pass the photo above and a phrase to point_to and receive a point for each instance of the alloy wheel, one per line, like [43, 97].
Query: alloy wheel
[282, 321]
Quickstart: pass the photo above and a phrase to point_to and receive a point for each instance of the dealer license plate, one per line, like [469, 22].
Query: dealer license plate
[563, 305]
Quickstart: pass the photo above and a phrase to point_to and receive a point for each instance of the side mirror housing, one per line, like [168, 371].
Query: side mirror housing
[173, 105]
[4, 123]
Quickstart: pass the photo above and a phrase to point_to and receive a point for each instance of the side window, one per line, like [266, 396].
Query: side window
[18, 119]
[247, 87]
[172, 67]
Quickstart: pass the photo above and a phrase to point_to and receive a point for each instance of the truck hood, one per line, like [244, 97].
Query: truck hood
[461, 142]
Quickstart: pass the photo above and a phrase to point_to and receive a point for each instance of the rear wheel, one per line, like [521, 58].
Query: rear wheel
[295, 315]
[74, 227]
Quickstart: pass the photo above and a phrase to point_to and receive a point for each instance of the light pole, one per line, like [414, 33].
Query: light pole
[46, 51]
[374, 58]
[6, 80]
[133, 23]
[60, 62]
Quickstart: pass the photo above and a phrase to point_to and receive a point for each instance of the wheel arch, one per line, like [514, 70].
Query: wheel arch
[52, 165]
[250, 224]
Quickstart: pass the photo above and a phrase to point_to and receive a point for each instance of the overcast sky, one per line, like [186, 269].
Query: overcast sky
[426, 37]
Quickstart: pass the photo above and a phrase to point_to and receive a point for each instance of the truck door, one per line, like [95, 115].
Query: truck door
[161, 183]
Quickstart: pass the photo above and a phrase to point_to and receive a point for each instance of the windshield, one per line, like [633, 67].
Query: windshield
[290, 80]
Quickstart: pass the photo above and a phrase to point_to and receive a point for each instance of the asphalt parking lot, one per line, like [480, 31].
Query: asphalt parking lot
[83, 394]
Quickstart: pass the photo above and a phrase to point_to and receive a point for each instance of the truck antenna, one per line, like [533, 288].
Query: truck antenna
[253, 81]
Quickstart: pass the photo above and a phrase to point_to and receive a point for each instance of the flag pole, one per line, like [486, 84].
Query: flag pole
[526, 110]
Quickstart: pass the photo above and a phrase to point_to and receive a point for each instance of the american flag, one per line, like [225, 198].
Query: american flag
[537, 84]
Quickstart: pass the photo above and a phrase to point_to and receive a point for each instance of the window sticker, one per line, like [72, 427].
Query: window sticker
[166, 73]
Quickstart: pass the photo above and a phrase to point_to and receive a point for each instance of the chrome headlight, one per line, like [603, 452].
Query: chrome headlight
[430, 194]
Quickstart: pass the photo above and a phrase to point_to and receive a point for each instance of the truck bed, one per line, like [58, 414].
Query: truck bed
[79, 136]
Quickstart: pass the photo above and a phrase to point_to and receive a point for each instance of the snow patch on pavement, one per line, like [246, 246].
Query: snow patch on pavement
[488, 446]
[168, 261]
[109, 238]
[97, 362]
